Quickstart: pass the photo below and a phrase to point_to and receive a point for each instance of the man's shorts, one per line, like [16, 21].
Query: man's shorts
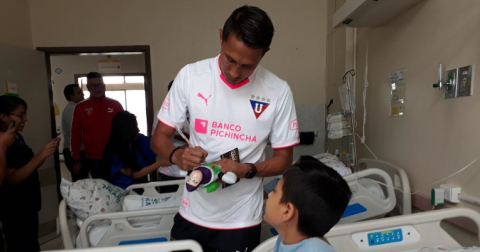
[211, 240]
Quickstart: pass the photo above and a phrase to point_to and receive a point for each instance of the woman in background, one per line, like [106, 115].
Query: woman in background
[128, 154]
[20, 198]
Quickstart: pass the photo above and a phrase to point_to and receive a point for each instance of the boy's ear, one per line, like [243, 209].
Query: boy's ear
[289, 212]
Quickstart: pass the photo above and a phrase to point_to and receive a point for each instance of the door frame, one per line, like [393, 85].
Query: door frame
[53, 51]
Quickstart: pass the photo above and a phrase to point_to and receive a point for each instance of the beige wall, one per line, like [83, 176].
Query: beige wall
[436, 137]
[181, 32]
[15, 26]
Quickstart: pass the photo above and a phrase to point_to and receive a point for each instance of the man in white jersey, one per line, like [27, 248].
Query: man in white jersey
[233, 103]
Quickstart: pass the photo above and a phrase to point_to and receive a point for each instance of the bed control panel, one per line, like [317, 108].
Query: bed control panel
[386, 237]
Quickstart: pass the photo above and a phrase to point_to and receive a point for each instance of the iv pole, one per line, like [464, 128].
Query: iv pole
[353, 145]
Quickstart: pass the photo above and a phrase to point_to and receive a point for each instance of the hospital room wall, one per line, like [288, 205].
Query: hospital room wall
[182, 32]
[436, 137]
[15, 26]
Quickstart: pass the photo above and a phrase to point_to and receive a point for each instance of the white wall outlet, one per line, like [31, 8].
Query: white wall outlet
[437, 197]
[451, 193]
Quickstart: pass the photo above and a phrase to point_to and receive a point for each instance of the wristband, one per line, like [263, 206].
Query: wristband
[171, 154]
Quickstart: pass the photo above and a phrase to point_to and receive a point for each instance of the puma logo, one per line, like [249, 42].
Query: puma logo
[205, 99]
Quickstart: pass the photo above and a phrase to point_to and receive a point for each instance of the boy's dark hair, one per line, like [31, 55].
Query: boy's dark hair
[319, 193]
[170, 85]
[307, 158]
[69, 90]
[251, 25]
[94, 75]
[9, 103]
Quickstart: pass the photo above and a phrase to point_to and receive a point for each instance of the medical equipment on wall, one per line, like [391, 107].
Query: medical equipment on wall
[455, 82]
[397, 93]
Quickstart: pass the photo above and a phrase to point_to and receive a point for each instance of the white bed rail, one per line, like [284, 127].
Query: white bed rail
[68, 225]
[399, 178]
[427, 224]
[151, 247]
[374, 206]
[150, 189]
[121, 230]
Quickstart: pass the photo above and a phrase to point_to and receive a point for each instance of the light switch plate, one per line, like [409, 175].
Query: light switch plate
[465, 81]
[452, 92]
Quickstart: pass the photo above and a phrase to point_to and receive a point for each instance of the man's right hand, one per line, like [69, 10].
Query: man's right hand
[77, 167]
[189, 158]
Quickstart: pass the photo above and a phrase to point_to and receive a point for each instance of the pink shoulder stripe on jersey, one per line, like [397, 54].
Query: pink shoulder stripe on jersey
[217, 228]
[283, 147]
[238, 85]
[160, 120]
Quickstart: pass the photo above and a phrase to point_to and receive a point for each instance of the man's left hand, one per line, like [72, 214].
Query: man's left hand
[228, 165]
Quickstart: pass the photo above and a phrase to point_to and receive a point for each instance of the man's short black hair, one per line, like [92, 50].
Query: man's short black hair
[319, 193]
[251, 25]
[170, 85]
[307, 158]
[94, 75]
[69, 90]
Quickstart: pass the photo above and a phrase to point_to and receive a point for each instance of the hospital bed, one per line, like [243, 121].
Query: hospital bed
[378, 189]
[414, 232]
[151, 247]
[121, 228]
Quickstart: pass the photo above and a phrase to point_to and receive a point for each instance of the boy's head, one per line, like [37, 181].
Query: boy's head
[310, 196]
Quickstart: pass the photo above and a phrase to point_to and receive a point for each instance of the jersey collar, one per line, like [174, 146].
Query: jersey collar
[238, 85]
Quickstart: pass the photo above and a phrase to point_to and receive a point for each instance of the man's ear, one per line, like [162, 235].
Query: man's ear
[221, 36]
[289, 212]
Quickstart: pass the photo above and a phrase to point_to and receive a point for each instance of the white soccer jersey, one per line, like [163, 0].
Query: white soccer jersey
[224, 117]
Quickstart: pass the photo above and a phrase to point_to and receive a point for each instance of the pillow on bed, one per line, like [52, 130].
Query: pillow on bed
[92, 196]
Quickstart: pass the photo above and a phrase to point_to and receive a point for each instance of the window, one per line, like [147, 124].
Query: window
[129, 90]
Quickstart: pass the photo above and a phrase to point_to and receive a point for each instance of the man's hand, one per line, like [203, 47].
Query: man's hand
[77, 167]
[7, 138]
[189, 158]
[228, 165]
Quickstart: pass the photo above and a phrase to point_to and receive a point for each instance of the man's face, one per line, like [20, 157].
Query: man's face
[96, 87]
[77, 95]
[237, 60]
[274, 208]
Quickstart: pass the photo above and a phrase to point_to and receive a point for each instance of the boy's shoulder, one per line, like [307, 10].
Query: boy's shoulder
[308, 245]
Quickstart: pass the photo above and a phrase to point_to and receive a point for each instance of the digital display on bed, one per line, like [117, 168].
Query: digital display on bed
[385, 237]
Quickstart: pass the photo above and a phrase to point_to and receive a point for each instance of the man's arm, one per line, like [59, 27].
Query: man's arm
[185, 159]
[281, 159]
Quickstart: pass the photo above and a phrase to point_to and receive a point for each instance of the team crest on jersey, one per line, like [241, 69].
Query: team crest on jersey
[259, 105]
[89, 111]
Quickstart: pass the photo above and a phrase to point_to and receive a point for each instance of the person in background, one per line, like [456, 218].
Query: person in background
[305, 204]
[236, 107]
[128, 153]
[91, 127]
[74, 94]
[20, 198]
[6, 139]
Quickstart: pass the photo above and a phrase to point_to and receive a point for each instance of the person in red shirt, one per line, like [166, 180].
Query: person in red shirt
[91, 127]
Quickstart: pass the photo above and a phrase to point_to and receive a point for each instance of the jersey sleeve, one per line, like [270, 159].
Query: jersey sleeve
[174, 107]
[285, 132]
